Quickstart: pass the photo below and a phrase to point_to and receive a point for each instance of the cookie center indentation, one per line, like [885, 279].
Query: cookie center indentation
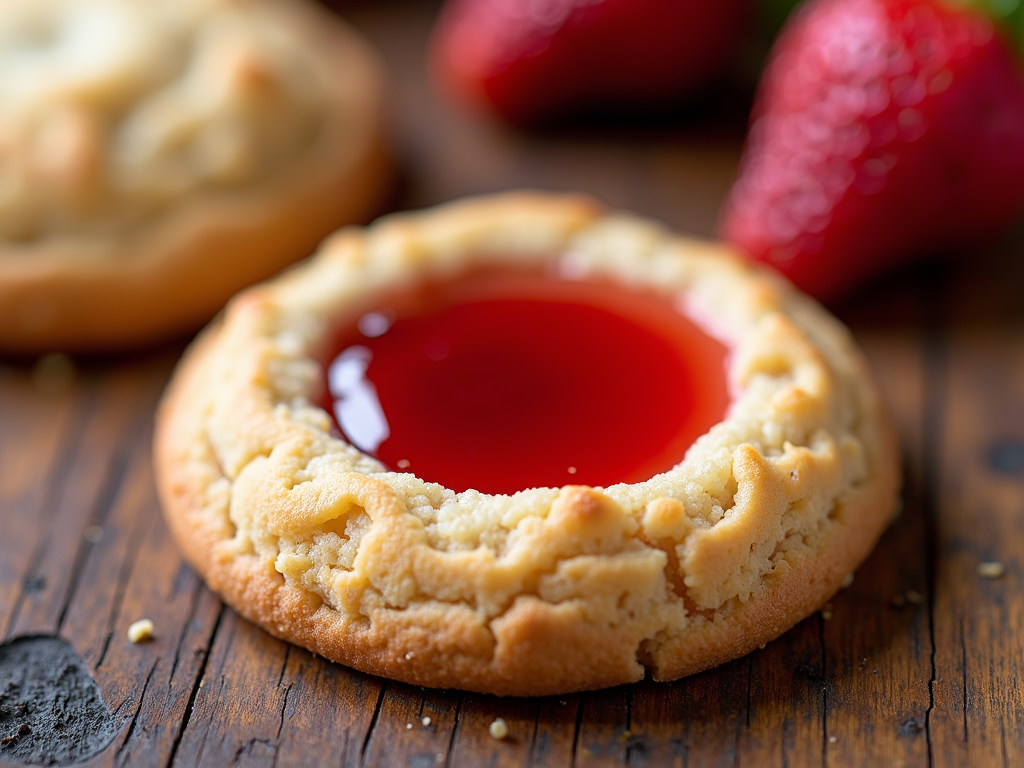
[502, 381]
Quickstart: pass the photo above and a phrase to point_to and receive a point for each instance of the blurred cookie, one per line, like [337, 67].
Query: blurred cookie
[358, 557]
[158, 155]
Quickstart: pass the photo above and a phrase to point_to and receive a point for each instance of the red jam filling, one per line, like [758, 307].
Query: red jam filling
[504, 381]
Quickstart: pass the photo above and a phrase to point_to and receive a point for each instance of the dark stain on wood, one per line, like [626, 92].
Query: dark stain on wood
[51, 710]
[1006, 457]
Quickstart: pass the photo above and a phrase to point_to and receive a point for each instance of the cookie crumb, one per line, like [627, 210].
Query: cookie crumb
[403, 463]
[832, 739]
[848, 581]
[826, 612]
[140, 631]
[53, 374]
[571, 470]
[426, 721]
[408, 726]
[93, 534]
[498, 729]
[991, 570]
[914, 598]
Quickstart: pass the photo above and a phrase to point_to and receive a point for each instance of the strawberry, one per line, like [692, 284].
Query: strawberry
[540, 60]
[882, 129]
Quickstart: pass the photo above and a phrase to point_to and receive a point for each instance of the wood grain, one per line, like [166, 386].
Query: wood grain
[916, 664]
[979, 515]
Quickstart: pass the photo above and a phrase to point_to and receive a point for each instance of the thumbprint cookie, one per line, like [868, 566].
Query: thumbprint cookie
[524, 445]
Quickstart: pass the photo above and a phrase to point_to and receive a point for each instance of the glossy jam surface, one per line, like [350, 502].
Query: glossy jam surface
[505, 381]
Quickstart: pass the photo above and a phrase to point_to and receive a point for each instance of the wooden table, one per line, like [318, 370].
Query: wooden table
[918, 662]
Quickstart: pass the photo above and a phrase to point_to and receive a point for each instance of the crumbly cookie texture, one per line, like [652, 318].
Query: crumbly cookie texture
[158, 155]
[550, 589]
[111, 110]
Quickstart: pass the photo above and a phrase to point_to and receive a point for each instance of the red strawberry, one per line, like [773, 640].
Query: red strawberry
[535, 60]
[882, 129]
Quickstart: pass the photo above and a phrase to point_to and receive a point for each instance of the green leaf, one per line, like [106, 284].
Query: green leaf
[1008, 14]
[773, 13]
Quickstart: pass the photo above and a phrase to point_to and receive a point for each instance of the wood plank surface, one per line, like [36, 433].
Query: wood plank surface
[917, 663]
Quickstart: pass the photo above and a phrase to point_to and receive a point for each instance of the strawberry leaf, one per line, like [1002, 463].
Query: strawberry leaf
[1008, 14]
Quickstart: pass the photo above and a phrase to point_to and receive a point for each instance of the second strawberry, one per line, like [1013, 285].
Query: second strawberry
[534, 61]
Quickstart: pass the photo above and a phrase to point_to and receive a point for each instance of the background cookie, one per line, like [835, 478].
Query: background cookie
[159, 156]
[547, 590]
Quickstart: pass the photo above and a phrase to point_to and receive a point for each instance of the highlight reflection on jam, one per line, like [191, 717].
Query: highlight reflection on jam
[505, 381]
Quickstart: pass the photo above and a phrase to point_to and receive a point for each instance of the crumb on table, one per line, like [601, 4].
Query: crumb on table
[498, 729]
[991, 570]
[140, 631]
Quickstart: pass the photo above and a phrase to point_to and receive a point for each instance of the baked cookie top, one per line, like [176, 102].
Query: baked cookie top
[113, 110]
[156, 156]
[548, 589]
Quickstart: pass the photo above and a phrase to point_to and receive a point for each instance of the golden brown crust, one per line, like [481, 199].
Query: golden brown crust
[548, 590]
[172, 273]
